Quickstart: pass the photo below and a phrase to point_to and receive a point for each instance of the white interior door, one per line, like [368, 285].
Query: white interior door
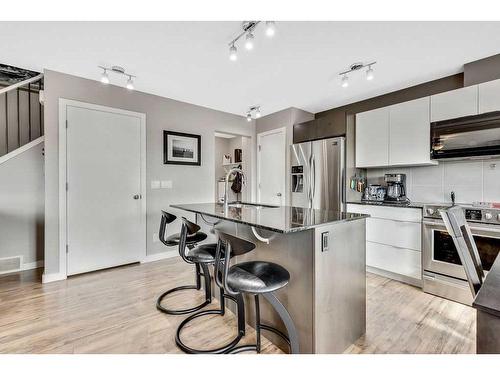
[272, 167]
[103, 171]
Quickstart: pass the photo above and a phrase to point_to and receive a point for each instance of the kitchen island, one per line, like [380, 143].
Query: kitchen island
[323, 250]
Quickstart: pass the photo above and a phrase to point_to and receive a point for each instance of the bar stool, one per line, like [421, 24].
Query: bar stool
[192, 237]
[203, 256]
[256, 278]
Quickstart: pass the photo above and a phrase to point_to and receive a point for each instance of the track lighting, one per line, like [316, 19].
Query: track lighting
[104, 77]
[118, 70]
[130, 83]
[270, 28]
[249, 41]
[233, 55]
[344, 82]
[369, 73]
[247, 30]
[253, 112]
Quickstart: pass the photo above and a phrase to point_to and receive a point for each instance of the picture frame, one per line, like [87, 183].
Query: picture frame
[181, 148]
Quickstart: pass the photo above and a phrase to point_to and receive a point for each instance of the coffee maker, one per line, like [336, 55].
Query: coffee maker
[396, 187]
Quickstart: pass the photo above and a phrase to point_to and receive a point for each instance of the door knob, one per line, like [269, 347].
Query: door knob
[278, 194]
[137, 196]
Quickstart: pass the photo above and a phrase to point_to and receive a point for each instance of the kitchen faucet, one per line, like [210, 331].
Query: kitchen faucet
[234, 170]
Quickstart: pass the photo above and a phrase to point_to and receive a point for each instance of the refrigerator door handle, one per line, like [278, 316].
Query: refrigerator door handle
[313, 182]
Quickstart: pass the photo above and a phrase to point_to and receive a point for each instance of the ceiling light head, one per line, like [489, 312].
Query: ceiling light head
[257, 112]
[233, 53]
[105, 77]
[249, 41]
[369, 73]
[270, 28]
[249, 116]
[130, 83]
[345, 81]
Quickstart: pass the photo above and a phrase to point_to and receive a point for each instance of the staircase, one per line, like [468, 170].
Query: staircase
[21, 112]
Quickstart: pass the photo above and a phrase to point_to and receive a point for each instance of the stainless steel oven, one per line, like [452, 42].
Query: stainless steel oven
[443, 273]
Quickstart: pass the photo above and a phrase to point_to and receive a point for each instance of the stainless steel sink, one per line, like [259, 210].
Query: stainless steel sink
[250, 205]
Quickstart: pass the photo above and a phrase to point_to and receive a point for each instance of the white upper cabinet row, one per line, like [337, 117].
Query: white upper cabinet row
[399, 135]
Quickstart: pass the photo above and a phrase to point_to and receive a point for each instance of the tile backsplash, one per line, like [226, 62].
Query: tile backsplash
[471, 180]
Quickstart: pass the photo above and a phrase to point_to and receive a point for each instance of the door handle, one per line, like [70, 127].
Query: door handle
[137, 196]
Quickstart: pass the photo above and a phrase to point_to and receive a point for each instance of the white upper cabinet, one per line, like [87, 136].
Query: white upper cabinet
[455, 103]
[489, 96]
[409, 133]
[372, 138]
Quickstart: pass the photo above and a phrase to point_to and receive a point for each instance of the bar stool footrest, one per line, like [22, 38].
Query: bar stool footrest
[180, 311]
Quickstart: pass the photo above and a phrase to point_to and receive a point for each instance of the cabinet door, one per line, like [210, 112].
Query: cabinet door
[455, 103]
[489, 96]
[410, 132]
[372, 138]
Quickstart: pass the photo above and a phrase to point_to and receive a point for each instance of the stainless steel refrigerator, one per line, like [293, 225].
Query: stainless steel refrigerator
[318, 174]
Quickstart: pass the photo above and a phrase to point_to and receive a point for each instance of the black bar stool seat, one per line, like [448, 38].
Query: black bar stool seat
[173, 239]
[257, 277]
[203, 253]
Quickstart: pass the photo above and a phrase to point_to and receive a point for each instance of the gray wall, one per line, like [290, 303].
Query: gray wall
[190, 184]
[21, 205]
[285, 118]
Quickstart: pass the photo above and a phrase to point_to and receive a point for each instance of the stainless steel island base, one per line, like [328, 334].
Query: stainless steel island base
[326, 296]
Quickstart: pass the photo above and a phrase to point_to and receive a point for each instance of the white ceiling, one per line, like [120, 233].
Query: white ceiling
[299, 67]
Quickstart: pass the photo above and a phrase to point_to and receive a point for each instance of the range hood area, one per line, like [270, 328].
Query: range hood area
[475, 136]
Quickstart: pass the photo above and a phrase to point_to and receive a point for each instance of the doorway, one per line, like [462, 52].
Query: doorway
[102, 187]
[271, 167]
[232, 151]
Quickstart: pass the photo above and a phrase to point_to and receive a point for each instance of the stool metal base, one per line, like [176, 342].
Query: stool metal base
[208, 293]
[221, 311]
[292, 340]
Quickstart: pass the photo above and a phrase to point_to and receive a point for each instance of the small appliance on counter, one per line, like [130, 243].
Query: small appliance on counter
[395, 192]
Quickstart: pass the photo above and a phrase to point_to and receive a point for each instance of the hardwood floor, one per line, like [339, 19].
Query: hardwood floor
[113, 311]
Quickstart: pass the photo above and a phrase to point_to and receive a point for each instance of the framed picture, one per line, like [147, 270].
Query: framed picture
[181, 148]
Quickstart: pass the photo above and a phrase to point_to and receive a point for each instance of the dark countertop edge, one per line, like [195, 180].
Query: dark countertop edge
[490, 287]
[416, 205]
[292, 230]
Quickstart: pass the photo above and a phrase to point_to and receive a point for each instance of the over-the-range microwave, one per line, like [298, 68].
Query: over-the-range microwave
[475, 136]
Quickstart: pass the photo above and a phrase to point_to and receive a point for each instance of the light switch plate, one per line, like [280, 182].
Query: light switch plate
[166, 184]
[155, 184]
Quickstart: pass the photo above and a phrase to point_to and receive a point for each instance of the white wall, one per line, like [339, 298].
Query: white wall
[470, 180]
[190, 183]
[21, 205]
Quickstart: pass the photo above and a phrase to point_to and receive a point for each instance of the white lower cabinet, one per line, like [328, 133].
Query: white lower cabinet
[393, 241]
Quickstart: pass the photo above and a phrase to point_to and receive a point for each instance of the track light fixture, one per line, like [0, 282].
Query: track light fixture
[344, 82]
[253, 112]
[118, 70]
[247, 30]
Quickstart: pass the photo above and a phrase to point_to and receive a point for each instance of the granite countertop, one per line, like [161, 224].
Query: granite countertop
[488, 298]
[282, 219]
[389, 204]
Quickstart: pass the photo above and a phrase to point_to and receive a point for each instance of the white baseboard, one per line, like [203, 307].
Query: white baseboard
[160, 256]
[32, 265]
[50, 277]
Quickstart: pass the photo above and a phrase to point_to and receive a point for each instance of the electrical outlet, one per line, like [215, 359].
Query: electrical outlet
[155, 184]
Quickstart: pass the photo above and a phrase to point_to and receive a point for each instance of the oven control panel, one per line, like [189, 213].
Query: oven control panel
[480, 215]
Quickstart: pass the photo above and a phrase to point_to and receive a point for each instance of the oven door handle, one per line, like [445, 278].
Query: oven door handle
[484, 229]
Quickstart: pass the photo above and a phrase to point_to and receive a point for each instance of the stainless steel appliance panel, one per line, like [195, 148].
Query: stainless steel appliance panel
[328, 174]
[300, 174]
